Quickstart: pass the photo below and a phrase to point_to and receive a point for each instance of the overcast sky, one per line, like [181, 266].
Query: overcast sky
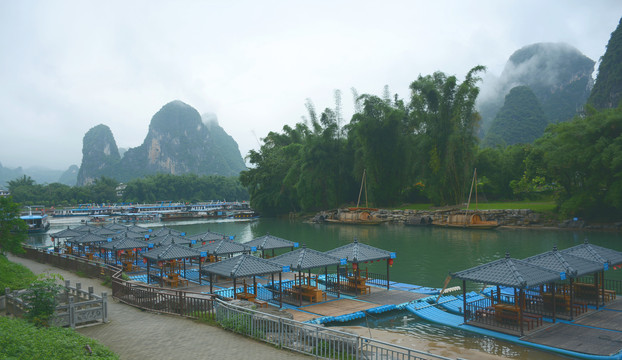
[66, 66]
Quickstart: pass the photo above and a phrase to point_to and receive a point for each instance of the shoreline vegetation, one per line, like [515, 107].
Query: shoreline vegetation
[540, 214]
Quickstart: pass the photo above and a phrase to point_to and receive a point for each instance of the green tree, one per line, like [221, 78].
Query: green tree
[583, 158]
[12, 228]
[378, 136]
[276, 169]
[443, 116]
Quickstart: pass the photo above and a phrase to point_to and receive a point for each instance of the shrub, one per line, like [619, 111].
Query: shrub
[22, 340]
[14, 276]
[41, 297]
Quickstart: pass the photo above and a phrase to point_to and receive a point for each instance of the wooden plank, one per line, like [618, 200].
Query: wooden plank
[616, 305]
[578, 338]
[605, 319]
[339, 307]
[386, 297]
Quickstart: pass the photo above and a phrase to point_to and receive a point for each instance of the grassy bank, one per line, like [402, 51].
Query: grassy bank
[21, 340]
[14, 276]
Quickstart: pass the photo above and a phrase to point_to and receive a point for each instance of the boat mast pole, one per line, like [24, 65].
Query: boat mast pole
[361, 191]
[470, 193]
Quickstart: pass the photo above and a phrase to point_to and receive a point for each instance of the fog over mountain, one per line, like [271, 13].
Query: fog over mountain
[558, 74]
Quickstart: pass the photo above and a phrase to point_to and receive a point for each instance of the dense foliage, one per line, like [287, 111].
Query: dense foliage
[189, 188]
[583, 160]
[428, 143]
[521, 120]
[12, 228]
[607, 92]
[26, 192]
[14, 276]
[302, 168]
[22, 340]
[445, 124]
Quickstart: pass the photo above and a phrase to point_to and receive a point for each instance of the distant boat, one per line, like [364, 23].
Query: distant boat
[36, 220]
[470, 219]
[355, 215]
[244, 215]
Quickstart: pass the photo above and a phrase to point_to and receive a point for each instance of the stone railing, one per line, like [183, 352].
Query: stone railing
[77, 307]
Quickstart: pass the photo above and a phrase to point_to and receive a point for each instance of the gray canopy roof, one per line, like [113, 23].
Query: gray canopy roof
[573, 266]
[509, 272]
[304, 258]
[167, 239]
[209, 236]
[130, 234]
[138, 229]
[88, 238]
[125, 243]
[85, 228]
[166, 231]
[356, 252]
[243, 266]
[595, 253]
[66, 233]
[224, 247]
[268, 242]
[115, 226]
[172, 252]
[105, 232]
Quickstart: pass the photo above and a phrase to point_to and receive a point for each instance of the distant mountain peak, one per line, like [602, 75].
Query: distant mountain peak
[179, 141]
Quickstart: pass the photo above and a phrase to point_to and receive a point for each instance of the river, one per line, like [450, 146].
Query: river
[425, 256]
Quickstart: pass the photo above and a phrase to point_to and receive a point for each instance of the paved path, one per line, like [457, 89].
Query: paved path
[137, 334]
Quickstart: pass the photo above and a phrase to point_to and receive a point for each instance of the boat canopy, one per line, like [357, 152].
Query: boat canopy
[305, 258]
[510, 272]
[573, 266]
[244, 266]
[357, 252]
[596, 253]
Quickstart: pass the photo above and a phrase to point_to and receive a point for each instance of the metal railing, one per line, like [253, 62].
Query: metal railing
[309, 339]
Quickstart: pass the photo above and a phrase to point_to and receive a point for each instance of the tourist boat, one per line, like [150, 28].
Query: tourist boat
[471, 219]
[355, 215]
[182, 216]
[244, 215]
[137, 217]
[37, 220]
[98, 219]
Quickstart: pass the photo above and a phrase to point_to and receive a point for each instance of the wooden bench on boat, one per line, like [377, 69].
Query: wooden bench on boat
[260, 303]
[306, 292]
[506, 313]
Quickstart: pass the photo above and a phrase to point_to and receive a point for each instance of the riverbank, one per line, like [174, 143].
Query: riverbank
[133, 333]
[510, 218]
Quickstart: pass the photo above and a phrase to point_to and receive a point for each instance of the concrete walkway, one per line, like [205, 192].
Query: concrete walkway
[136, 334]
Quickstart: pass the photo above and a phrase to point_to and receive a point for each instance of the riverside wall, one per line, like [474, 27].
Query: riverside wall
[505, 217]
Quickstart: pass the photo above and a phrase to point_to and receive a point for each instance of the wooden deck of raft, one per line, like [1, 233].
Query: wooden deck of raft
[596, 333]
[338, 307]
